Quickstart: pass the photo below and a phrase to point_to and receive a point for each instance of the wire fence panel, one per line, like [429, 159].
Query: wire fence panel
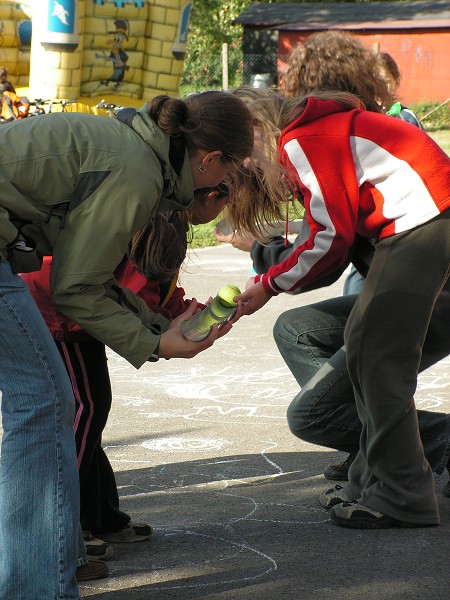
[251, 69]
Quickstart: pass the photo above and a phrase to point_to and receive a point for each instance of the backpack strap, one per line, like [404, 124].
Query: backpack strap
[126, 115]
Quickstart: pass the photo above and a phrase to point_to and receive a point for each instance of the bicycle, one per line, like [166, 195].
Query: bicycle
[40, 105]
[110, 108]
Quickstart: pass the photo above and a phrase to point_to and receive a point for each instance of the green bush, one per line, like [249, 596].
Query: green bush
[433, 115]
[202, 235]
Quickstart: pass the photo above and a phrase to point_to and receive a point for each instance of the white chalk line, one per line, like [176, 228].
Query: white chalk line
[221, 489]
[260, 398]
[241, 547]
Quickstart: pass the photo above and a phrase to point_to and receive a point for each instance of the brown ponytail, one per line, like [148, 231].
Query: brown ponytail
[207, 121]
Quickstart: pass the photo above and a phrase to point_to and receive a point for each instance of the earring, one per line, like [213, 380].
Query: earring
[202, 168]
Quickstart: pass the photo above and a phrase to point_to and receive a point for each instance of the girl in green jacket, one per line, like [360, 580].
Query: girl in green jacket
[79, 187]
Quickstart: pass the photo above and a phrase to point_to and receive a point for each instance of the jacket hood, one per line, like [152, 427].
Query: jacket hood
[172, 155]
[315, 109]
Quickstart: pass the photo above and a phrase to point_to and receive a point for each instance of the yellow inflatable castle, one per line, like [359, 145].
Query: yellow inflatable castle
[122, 51]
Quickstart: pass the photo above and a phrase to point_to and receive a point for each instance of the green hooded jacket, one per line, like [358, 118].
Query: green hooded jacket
[78, 186]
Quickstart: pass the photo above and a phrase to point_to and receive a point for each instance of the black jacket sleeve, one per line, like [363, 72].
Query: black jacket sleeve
[265, 256]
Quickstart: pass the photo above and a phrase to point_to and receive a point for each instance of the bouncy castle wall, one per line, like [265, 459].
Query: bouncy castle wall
[125, 51]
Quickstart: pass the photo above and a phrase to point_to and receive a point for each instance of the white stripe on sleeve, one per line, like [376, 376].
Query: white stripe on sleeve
[318, 210]
[406, 199]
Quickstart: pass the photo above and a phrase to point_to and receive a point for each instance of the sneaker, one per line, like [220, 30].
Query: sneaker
[93, 569]
[339, 472]
[96, 548]
[353, 514]
[132, 532]
[332, 497]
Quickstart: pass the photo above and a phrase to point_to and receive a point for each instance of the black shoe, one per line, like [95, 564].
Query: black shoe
[339, 472]
[133, 532]
[93, 569]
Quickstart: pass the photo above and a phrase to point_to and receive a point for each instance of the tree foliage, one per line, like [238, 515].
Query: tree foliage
[210, 27]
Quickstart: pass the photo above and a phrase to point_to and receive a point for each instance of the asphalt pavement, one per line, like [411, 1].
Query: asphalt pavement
[202, 452]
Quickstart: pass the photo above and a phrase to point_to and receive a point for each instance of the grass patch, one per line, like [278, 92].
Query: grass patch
[202, 235]
[441, 137]
[433, 115]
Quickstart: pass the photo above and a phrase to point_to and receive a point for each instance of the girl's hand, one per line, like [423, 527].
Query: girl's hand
[254, 298]
[243, 241]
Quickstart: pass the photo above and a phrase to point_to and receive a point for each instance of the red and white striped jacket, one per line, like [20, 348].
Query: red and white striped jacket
[359, 173]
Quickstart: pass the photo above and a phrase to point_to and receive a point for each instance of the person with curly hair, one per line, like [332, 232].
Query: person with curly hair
[334, 60]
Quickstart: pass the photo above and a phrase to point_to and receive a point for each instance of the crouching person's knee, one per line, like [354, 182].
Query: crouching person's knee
[281, 335]
[290, 326]
[300, 423]
[295, 419]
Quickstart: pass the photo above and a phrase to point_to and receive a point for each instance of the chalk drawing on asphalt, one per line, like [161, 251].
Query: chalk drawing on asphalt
[229, 396]
[180, 444]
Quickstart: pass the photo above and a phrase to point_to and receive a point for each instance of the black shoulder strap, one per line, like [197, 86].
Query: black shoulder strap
[177, 151]
[126, 115]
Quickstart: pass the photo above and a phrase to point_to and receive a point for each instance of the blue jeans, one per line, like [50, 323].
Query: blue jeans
[39, 490]
[353, 283]
[311, 341]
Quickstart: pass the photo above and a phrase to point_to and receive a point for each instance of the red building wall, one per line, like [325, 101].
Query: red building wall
[422, 55]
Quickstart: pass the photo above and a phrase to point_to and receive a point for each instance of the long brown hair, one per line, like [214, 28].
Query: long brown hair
[254, 206]
[267, 188]
[159, 248]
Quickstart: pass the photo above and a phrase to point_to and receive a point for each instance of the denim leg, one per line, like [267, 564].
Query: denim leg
[353, 283]
[310, 339]
[39, 493]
